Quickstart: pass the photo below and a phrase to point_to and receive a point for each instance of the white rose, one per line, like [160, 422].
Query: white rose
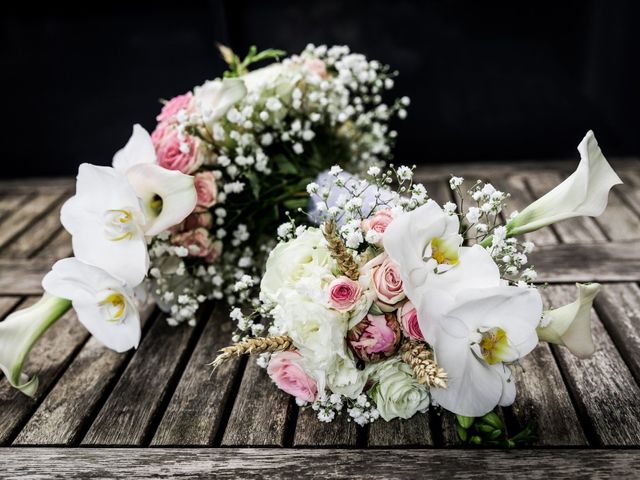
[343, 377]
[303, 257]
[397, 393]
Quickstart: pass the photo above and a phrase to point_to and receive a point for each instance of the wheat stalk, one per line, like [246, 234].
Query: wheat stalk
[348, 266]
[420, 358]
[253, 345]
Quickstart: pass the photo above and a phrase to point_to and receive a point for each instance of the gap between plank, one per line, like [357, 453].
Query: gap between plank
[216, 441]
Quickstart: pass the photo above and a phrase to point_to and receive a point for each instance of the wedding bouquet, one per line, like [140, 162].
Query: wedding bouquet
[183, 211]
[394, 303]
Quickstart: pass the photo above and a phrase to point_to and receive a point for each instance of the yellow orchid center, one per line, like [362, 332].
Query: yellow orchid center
[444, 252]
[120, 224]
[115, 305]
[493, 345]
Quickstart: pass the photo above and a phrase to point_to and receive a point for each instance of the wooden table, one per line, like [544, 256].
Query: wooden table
[164, 396]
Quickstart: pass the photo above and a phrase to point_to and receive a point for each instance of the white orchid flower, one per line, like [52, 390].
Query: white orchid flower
[474, 335]
[139, 149]
[583, 193]
[104, 304]
[20, 331]
[425, 245]
[107, 223]
[570, 325]
[216, 97]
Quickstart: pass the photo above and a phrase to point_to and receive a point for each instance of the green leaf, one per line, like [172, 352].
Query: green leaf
[462, 433]
[255, 183]
[295, 203]
[492, 419]
[465, 422]
[285, 166]
[375, 310]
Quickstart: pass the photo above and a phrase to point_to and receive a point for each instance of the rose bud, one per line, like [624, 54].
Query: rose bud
[285, 370]
[376, 337]
[409, 321]
[378, 223]
[344, 293]
[206, 188]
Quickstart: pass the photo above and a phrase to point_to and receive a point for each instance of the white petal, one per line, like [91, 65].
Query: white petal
[570, 325]
[508, 386]
[83, 284]
[583, 193]
[177, 191]
[214, 98]
[139, 149]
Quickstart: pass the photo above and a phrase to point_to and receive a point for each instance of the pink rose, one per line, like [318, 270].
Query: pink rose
[409, 321]
[206, 188]
[178, 154]
[199, 243]
[344, 293]
[199, 218]
[173, 106]
[378, 223]
[375, 337]
[386, 282]
[289, 376]
[317, 66]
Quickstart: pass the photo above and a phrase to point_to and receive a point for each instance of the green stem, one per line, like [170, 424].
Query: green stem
[20, 331]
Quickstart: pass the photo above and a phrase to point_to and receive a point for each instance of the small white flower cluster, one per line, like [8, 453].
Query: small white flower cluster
[361, 410]
[511, 257]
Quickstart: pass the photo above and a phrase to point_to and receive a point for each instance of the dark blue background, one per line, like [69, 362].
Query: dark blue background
[488, 80]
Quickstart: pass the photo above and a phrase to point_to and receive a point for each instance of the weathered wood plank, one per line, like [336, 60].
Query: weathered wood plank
[415, 432]
[261, 412]
[128, 415]
[49, 357]
[65, 412]
[7, 304]
[449, 434]
[197, 407]
[311, 432]
[40, 184]
[29, 212]
[58, 247]
[231, 463]
[9, 202]
[575, 230]
[22, 276]
[619, 308]
[603, 388]
[37, 235]
[619, 221]
[542, 399]
[604, 262]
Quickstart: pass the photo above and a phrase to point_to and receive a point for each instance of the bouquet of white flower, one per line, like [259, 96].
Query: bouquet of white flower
[395, 303]
[183, 212]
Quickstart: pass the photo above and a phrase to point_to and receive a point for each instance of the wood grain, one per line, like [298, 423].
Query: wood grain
[230, 463]
[618, 306]
[66, 411]
[196, 410]
[48, 358]
[260, 413]
[128, 415]
[415, 432]
[311, 432]
[603, 388]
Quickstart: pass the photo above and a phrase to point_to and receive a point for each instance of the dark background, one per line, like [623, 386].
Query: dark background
[488, 80]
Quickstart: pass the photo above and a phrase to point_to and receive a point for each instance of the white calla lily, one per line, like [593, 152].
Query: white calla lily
[584, 193]
[167, 196]
[570, 325]
[216, 97]
[139, 149]
[107, 223]
[474, 335]
[20, 331]
[104, 304]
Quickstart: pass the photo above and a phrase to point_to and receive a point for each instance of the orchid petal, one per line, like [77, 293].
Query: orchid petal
[139, 149]
[175, 191]
[584, 193]
[20, 331]
[570, 325]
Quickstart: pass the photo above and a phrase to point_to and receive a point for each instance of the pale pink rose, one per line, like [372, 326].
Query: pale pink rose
[158, 134]
[376, 337]
[206, 188]
[176, 154]
[344, 293]
[387, 282]
[409, 321]
[378, 223]
[173, 106]
[199, 218]
[286, 372]
[317, 66]
[199, 243]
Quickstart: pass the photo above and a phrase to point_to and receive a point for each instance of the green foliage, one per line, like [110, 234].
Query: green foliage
[489, 430]
[239, 67]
